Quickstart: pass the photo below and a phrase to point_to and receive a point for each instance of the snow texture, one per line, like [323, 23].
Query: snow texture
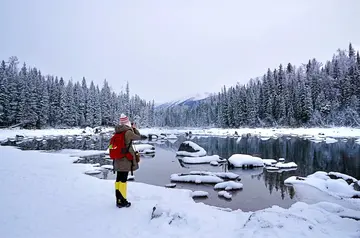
[229, 185]
[84, 207]
[201, 160]
[225, 194]
[199, 151]
[242, 160]
[196, 194]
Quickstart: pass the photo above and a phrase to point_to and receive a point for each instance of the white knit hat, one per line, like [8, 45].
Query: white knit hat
[124, 120]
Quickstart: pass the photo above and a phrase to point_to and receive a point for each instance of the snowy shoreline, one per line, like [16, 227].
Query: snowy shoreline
[316, 134]
[68, 203]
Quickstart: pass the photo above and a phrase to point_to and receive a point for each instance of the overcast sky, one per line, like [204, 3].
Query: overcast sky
[169, 49]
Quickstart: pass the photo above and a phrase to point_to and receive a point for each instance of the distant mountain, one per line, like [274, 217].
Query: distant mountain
[185, 101]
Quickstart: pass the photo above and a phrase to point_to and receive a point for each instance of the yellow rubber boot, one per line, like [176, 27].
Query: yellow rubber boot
[117, 185]
[123, 188]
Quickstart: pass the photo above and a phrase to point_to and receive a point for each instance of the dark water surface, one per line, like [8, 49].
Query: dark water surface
[261, 188]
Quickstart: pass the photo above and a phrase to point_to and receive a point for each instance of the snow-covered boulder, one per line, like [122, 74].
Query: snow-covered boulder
[189, 148]
[93, 172]
[281, 159]
[289, 165]
[245, 161]
[199, 194]
[329, 189]
[229, 185]
[214, 163]
[170, 185]
[330, 140]
[144, 148]
[195, 178]
[225, 194]
[269, 162]
[201, 160]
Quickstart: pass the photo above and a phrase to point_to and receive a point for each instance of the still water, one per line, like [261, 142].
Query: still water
[261, 188]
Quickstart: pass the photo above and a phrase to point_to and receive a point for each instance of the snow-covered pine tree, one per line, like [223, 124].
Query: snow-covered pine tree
[106, 104]
[71, 115]
[44, 106]
[22, 94]
[97, 107]
[4, 95]
[90, 105]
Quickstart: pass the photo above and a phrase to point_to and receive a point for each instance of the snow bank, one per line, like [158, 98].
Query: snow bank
[197, 194]
[201, 160]
[229, 185]
[242, 160]
[84, 207]
[189, 148]
[333, 189]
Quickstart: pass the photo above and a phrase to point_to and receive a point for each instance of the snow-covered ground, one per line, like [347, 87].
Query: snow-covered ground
[47, 196]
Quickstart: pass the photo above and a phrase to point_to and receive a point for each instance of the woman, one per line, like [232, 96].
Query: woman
[124, 156]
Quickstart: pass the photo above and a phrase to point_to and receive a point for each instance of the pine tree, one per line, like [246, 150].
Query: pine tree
[70, 108]
[90, 105]
[351, 51]
[106, 104]
[44, 106]
[97, 107]
[4, 95]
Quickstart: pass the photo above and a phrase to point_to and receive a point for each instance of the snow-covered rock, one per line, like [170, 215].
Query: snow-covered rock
[172, 137]
[170, 185]
[289, 165]
[223, 175]
[144, 148]
[347, 178]
[96, 165]
[272, 168]
[107, 166]
[269, 162]
[214, 163]
[330, 140]
[333, 190]
[93, 172]
[229, 185]
[193, 178]
[201, 160]
[281, 159]
[225, 194]
[245, 161]
[189, 148]
[199, 194]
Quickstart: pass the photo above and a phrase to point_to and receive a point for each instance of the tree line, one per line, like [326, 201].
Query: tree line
[313, 94]
[27, 97]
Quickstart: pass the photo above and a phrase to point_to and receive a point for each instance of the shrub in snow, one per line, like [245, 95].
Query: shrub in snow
[189, 148]
[199, 194]
[225, 194]
[201, 160]
[229, 185]
[245, 161]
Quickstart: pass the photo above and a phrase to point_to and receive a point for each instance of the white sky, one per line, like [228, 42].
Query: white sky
[168, 49]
